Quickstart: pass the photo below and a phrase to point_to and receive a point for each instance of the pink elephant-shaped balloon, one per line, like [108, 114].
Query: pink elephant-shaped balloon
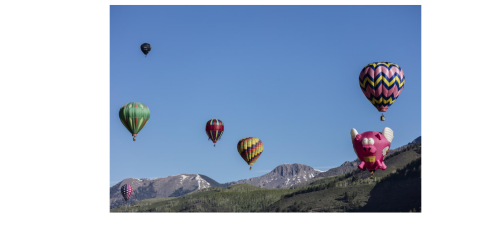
[371, 148]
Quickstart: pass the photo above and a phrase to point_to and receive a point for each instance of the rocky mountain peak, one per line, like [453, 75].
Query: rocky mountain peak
[284, 175]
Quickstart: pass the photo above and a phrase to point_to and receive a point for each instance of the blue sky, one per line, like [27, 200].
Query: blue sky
[285, 74]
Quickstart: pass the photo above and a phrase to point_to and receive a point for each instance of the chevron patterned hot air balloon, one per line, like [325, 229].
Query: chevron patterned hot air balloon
[250, 149]
[214, 130]
[382, 82]
[134, 116]
[126, 191]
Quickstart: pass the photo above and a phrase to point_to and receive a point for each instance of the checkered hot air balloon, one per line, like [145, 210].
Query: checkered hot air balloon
[126, 191]
[134, 116]
[214, 130]
[382, 82]
[250, 149]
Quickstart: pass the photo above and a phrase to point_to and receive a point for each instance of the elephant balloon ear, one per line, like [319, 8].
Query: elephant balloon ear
[354, 132]
[388, 134]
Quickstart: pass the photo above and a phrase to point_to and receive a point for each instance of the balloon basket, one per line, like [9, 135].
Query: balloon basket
[250, 168]
[382, 118]
[134, 138]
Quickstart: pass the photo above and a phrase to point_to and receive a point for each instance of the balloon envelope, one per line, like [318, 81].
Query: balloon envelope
[145, 48]
[382, 82]
[371, 148]
[126, 191]
[250, 148]
[134, 116]
[214, 129]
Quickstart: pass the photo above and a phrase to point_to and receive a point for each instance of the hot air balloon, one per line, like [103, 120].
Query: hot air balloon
[134, 116]
[145, 48]
[126, 191]
[382, 82]
[250, 149]
[214, 130]
[371, 148]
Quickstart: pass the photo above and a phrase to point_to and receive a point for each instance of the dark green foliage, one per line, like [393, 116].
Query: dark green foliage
[411, 170]
[399, 192]
[349, 196]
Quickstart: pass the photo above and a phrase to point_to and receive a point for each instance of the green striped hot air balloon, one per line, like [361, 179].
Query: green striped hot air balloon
[134, 116]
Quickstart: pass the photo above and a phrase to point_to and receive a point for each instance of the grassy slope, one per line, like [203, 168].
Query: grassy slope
[235, 198]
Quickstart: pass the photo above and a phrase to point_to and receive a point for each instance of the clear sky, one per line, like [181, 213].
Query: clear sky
[285, 74]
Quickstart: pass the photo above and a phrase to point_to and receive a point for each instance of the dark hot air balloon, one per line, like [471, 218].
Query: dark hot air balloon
[145, 48]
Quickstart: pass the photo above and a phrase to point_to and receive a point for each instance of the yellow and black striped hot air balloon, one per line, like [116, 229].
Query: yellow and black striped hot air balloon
[250, 149]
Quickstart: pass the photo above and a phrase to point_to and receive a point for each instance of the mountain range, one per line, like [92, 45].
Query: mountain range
[283, 176]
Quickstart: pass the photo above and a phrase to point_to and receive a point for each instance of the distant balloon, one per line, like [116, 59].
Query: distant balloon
[134, 117]
[250, 149]
[214, 130]
[371, 148]
[126, 191]
[382, 83]
[145, 48]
